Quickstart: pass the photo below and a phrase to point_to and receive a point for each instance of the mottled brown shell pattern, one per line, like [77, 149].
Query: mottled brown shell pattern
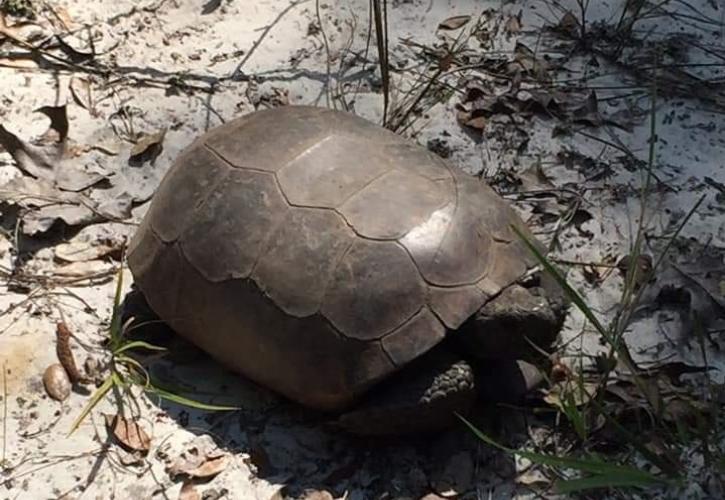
[317, 253]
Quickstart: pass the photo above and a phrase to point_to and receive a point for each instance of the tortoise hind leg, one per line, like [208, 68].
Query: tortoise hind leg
[424, 396]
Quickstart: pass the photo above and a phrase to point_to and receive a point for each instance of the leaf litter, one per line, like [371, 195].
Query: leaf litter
[128, 433]
[78, 184]
[201, 459]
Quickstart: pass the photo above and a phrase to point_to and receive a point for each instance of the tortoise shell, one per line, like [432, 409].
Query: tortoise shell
[317, 253]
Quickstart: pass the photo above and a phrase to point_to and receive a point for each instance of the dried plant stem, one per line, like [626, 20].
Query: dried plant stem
[3, 459]
[328, 97]
[381, 33]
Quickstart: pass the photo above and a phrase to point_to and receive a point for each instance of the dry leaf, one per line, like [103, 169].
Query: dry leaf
[533, 478]
[210, 6]
[64, 18]
[209, 468]
[73, 50]
[560, 372]
[128, 433]
[513, 25]
[526, 62]
[453, 23]
[642, 271]
[130, 458]
[82, 251]
[18, 63]
[89, 244]
[82, 270]
[580, 395]
[12, 32]
[189, 492]
[59, 175]
[44, 157]
[104, 140]
[80, 89]
[203, 459]
[267, 95]
[568, 24]
[148, 148]
[56, 382]
[478, 122]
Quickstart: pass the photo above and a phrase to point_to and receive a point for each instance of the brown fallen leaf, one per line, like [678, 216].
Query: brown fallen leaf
[478, 122]
[267, 95]
[56, 382]
[533, 478]
[64, 17]
[513, 25]
[75, 48]
[148, 148]
[527, 62]
[45, 157]
[83, 270]
[189, 492]
[453, 23]
[128, 433]
[12, 32]
[82, 251]
[568, 25]
[567, 391]
[90, 243]
[201, 460]
[66, 191]
[80, 89]
[18, 63]
[210, 468]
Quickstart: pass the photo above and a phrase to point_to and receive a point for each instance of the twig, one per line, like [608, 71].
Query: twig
[3, 459]
[327, 54]
[381, 33]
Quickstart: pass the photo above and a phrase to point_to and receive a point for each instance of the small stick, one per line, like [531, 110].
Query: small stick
[5, 415]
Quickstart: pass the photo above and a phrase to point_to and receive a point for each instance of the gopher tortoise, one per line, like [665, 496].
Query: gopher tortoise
[345, 268]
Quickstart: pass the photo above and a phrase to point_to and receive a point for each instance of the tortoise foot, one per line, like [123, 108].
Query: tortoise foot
[424, 397]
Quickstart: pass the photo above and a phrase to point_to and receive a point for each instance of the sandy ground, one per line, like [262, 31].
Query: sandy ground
[571, 161]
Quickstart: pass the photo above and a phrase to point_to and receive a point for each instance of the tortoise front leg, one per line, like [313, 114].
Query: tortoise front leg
[424, 396]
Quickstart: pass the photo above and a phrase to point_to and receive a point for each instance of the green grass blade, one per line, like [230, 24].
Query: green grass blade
[661, 462]
[170, 396]
[593, 466]
[93, 402]
[138, 344]
[574, 415]
[572, 294]
[604, 481]
[134, 367]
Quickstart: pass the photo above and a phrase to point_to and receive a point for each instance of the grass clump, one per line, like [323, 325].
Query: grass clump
[662, 434]
[127, 373]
